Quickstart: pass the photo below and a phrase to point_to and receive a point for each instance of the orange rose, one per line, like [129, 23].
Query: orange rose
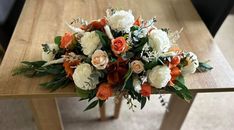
[146, 89]
[66, 40]
[104, 91]
[119, 45]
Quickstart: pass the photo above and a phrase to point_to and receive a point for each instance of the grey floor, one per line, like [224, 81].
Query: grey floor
[209, 112]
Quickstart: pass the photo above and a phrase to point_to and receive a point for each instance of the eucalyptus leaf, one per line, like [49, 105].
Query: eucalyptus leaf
[203, 67]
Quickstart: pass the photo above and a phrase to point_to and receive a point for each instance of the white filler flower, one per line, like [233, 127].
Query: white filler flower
[89, 42]
[159, 76]
[159, 40]
[121, 20]
[49, 52]
[82, 77]
[192, 64]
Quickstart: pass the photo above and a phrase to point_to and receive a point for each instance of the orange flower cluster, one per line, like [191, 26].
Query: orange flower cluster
[95, 25]
[66, 40]
[68, 66]
[104, 91]
[146, 89]
[175, 71]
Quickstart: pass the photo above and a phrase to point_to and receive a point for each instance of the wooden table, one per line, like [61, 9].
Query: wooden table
[41, 20]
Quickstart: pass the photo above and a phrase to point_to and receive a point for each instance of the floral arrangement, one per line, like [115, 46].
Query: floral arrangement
[116, 56]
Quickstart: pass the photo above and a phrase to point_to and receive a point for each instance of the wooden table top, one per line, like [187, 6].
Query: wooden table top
[41, 20]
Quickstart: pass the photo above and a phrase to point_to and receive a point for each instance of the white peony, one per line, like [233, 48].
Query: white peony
[159, 76]
[121, 20]
[192, 64]
[89, 42]
[159, 40]
[82, 77]
[49, 52]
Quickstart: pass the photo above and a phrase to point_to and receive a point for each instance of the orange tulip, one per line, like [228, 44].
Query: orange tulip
[104, 91]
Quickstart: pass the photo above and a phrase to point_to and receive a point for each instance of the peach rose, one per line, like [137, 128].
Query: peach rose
[104, 91]
[137, 66]
[100, 59]
[119, 45]
[66, 40]
[146, 89]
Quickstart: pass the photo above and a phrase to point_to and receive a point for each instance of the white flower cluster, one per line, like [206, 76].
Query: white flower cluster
[121, 20]
[89, 42]
[49, 51]
[82, 77]
[159, 76]
[159, 40]
[192, 63]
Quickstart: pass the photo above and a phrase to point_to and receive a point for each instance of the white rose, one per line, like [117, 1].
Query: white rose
[159, 40]
[49, 52]
[137, 66]
[121, 20]
[89, 42]
[192, 64]
[159, 76]
[100, 59]
[82, 79]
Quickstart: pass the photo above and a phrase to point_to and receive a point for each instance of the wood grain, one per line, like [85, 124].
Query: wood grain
[46, 114]
[41, 20]
[176, 114]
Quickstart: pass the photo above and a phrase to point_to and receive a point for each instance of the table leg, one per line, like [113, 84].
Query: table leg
[178, 109]
[118, 106]
[102, 111]
[46, 114]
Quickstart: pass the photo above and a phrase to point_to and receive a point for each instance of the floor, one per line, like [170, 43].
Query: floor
[209, 111]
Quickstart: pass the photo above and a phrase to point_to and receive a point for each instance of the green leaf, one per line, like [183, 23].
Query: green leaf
[127, 76]
[91, 105]
[151, 64]
[56, 83]
[83, 93]
[57, 40]
[203, 67]
[143, 102]
[104, 39]
[181, 89]
[133, 28]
